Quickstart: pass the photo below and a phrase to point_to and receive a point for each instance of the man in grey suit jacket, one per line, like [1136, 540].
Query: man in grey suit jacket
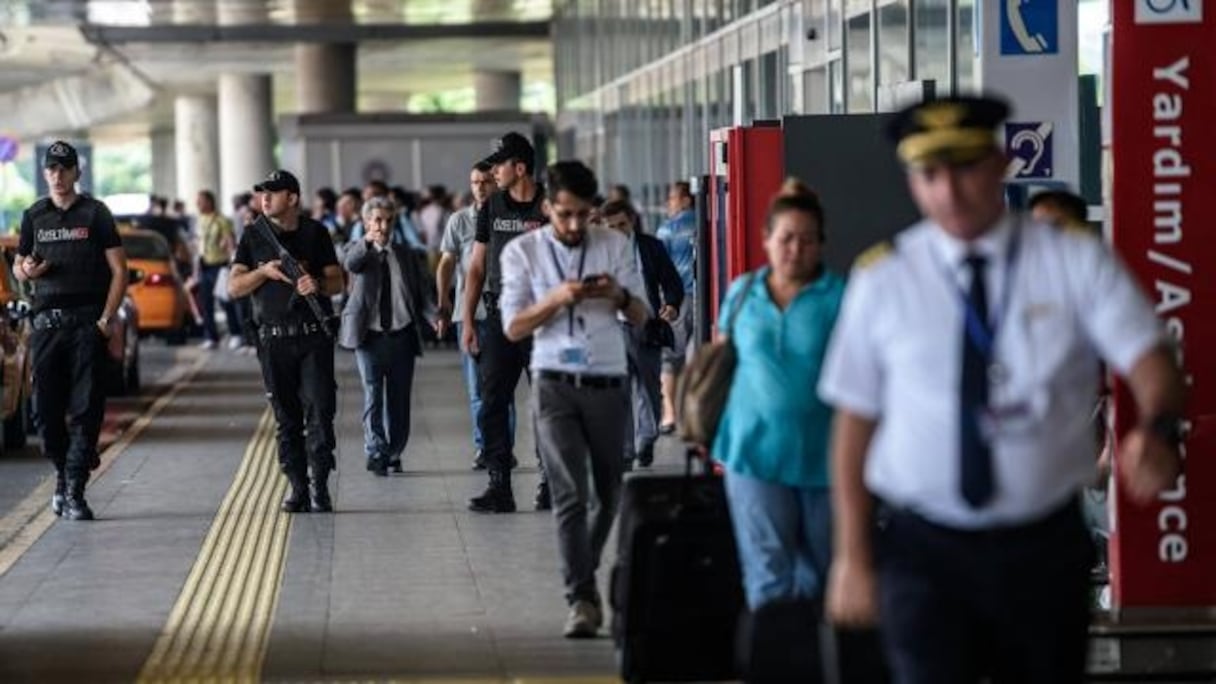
[383, 325]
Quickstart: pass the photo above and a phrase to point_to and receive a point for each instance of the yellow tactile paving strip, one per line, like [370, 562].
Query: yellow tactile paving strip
[219, 628]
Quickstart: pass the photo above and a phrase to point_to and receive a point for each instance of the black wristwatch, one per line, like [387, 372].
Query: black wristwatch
[1166, 426]
[626, 298]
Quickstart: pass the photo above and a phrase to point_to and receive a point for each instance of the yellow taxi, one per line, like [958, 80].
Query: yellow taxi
[15, 367]
[155, 285]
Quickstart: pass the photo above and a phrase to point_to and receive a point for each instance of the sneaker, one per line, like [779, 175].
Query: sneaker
[207, 345]
[235, 342]
[584, 620]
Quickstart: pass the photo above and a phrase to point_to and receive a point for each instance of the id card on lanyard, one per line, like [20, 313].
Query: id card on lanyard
[999, 418]
[574, 350]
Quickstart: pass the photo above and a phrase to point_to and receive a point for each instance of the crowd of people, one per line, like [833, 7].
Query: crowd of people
[905, 447]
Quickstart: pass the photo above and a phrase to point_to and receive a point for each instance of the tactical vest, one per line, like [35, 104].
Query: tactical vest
[75, 263]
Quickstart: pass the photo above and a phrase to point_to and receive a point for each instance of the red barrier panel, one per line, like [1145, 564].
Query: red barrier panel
[750, 159]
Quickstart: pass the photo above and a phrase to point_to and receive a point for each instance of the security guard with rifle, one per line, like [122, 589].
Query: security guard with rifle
[286, 264]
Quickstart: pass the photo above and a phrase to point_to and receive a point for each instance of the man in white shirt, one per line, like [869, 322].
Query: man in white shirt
[963, 369]
[563, 285]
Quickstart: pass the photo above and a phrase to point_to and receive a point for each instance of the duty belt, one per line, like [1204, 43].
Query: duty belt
[491, 301]
[270, 331]
[53, 319]
[592, 381]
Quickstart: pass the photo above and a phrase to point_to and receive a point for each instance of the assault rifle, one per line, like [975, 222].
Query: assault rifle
[292, 269]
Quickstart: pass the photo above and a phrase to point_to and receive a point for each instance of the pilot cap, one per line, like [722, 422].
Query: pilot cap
[954, 130]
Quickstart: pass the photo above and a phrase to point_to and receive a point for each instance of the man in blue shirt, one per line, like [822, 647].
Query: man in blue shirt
[679, 235]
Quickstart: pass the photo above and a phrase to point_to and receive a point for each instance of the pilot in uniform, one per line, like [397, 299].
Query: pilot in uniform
[963, 369]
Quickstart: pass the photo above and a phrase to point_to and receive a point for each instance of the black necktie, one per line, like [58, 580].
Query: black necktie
[386, 293]
[975, 454]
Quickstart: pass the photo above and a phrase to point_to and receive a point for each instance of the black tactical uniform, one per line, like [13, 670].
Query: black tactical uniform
[67, 344]
[500, 220]
[297, 356]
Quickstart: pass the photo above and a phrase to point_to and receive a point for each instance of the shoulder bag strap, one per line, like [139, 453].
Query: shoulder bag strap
[738, 303]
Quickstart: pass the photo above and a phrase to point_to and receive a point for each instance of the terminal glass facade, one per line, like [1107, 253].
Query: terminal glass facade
[640, 83]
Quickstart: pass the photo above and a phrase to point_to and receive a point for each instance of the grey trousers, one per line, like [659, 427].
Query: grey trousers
[581, 429]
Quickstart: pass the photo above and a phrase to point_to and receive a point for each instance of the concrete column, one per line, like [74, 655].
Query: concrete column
[197, 134]
[246, 132]
[497, 90]
[325, 78]
[164, 162]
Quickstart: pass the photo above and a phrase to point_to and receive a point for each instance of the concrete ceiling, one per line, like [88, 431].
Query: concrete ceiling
[406, 46]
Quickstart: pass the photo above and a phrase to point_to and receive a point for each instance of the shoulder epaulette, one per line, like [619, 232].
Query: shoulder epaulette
[874, 254]
[1082, 229]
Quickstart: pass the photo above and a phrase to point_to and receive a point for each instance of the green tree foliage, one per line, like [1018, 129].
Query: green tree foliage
[122, 169]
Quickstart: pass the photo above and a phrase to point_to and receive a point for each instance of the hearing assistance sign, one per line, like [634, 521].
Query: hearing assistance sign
[1163, 93]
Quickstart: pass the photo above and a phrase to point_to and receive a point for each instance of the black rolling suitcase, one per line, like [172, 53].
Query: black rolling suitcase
[676, 591]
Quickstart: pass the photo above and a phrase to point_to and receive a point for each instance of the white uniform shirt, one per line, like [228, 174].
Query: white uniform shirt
[895, 357]
[529, 272]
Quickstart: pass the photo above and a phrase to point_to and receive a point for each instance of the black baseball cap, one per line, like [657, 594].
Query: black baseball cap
[279, 180]
[511, 146]
[953, 130]
[61, 154]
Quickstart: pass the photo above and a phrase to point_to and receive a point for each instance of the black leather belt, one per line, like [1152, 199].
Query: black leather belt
[1067, 513]
[272, 331]
[392, 333]
[593, 381]
[53, 319]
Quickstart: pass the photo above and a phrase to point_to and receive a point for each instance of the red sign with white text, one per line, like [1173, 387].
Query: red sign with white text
[1163, 138]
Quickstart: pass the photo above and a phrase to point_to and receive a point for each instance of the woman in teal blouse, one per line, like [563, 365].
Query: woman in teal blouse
[773, 435]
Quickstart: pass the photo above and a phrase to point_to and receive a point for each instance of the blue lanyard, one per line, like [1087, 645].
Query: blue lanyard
[983, 332]
[561, 272]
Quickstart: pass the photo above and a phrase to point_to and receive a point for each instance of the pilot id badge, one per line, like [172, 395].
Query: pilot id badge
[1012, 415]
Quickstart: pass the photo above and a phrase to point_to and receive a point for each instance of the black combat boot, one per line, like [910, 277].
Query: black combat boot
[74, 505]
[61, 494]
[543, 500]
[498, 497]
[318, 491]
[297, 495]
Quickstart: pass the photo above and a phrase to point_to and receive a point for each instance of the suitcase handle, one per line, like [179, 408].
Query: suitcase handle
[687, 491]
[697, 453]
